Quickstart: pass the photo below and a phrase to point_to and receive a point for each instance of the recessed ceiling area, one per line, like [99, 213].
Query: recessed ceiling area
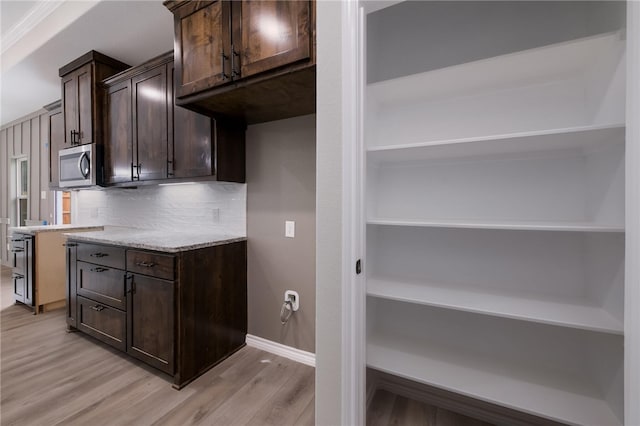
[130, 31]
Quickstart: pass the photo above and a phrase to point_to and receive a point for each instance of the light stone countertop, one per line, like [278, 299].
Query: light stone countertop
[32, 230]
[158, 240]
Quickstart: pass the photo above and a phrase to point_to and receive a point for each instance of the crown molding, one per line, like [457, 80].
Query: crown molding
[34, 16]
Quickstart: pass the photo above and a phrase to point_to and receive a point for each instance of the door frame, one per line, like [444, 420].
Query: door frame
[632, 219]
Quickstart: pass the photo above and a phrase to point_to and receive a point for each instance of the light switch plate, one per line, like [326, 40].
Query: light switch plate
[289, 229]
[43, 195]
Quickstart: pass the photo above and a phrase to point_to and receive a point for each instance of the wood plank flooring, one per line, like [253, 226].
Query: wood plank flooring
[51, 377]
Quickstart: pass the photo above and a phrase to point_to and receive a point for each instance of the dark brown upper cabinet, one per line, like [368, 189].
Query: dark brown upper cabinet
[150, 116]
[149, 139]
[269, 35]
[81, 99]
[253, 60]
[56, 141]
[118, 136]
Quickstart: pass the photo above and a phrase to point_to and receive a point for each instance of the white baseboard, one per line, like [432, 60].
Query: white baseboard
[279, 349]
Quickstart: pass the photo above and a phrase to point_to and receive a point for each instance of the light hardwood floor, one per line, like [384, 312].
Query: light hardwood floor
[51, 377]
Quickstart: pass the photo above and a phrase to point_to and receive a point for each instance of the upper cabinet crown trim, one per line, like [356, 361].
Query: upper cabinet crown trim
[91, 56]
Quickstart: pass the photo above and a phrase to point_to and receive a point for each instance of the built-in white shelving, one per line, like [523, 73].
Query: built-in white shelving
[495, 212]
[554, 62]
[576, 313]
[584, 138]
[539, 369]
[474, 377]
[504, 225]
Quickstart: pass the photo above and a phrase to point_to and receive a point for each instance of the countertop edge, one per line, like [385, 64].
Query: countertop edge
[187, 247]
[51, 228]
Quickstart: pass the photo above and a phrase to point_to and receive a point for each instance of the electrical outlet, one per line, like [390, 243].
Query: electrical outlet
[43, 195]
[294, 297]
[289, 229]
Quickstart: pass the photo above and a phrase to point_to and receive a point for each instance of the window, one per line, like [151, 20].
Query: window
[22, 190]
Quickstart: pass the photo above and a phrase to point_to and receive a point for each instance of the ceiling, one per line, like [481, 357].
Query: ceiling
[39, 37]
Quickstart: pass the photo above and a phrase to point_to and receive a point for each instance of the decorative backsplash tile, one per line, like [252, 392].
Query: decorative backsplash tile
[212, 206]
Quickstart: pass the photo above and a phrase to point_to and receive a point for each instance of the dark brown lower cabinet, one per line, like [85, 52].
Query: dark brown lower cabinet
[179, 312]
[22, 254]
[150, 320]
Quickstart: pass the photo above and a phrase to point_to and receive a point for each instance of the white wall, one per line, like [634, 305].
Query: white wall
[281, 185]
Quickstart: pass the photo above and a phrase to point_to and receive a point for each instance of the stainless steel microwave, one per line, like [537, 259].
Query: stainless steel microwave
[77, 166]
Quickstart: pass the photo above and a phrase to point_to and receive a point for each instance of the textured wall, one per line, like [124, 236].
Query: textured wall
[213, 205]
[281, 185]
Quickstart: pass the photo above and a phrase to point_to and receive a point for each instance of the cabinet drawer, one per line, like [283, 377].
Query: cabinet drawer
[102, 322]
[102, 284]
[152, 264]
[101, 255]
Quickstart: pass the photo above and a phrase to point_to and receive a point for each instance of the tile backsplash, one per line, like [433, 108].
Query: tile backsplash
[212, 205]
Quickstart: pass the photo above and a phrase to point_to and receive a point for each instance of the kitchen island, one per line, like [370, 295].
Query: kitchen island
[38, 261]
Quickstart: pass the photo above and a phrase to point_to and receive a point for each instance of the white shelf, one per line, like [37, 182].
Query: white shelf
[558, 399]
[574, 315]
[539, 65]
[582, 137]
[502, 225]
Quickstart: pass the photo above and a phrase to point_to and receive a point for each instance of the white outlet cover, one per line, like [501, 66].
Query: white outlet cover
[43, 195]
[289, 229]
[295, 303]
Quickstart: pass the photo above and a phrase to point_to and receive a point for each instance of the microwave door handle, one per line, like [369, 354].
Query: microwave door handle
[84, 171]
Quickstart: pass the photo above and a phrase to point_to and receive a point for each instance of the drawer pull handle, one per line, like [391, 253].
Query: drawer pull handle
[98, 254]
[17, 277]
[97, 308]
[69, 245]
[17, 250]
[145, 264]
[99, 269]
[17, 239]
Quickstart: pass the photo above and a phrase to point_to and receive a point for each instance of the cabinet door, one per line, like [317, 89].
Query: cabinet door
[270, 34]
[118, 154]
[56, 143]
[150, 124]
[19, 287]
[190, 141]
[70, 108]
[85, 104]
[202, 46]
[150, 321]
